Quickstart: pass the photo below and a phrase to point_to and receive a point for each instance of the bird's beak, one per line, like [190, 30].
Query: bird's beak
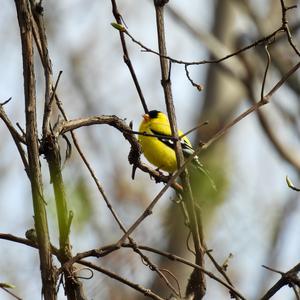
[146, 117]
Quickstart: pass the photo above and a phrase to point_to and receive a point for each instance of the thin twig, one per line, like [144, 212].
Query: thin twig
[187, 242]
[285, 25]
[48, 106]
[126, 57]
[175, 279]
[148, 211]
[206, 61]
[273, 270]
[287, 278]
[265, 73]
[27, 242]
[279, 146]
[193, 129]
[253, 108]
[137, 287]
[13, 238]
[199, 87]
[282, 81]
[10, 292]
[9, 124]
[174, 257]
[218, 267]
[18, 139]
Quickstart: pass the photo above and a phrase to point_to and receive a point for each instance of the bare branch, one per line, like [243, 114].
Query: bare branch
[18, 139]
[174, 257]
[40, 217]
[207, 61]
[253, 108]
[287, 278]
[286, 27]
[126, 57]
[13, 238]
[5, 287]
[48, 107]
[265, 73]
[197, 284]
[137, 287]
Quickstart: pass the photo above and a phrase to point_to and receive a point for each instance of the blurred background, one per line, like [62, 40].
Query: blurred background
[253, 214]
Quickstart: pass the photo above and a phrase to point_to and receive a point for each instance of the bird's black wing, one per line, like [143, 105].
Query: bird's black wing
[187, 151]
[186, 148]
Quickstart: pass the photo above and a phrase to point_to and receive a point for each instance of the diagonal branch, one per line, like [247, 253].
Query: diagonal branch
[18, 139]
[137, 287]
[126, 57]
[288, 278]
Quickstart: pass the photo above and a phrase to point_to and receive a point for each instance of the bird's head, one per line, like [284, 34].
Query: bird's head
[153, 114]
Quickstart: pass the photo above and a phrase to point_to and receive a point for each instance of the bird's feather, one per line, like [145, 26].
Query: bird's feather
[186, 148]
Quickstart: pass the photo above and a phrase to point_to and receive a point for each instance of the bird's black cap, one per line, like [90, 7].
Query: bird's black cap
[153, 113]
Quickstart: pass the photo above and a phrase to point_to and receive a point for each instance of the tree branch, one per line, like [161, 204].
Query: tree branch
[73, 286]
[197, 285]
[287, 278]
[137, 287]
[18, 139]
[126, 57]
[40, 217]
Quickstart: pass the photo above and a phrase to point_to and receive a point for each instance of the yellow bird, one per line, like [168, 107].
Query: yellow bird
[159, 149]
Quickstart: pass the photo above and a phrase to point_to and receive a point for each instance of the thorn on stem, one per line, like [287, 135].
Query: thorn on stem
[21, 129]
[273, 270]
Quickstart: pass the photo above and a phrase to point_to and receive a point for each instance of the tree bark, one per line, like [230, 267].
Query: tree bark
[40, 218]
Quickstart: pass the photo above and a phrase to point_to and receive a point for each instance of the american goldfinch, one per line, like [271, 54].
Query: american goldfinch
[159, 149]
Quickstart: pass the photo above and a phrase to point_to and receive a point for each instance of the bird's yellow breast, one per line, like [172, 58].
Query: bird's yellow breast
[154, 150]
[158, 153]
